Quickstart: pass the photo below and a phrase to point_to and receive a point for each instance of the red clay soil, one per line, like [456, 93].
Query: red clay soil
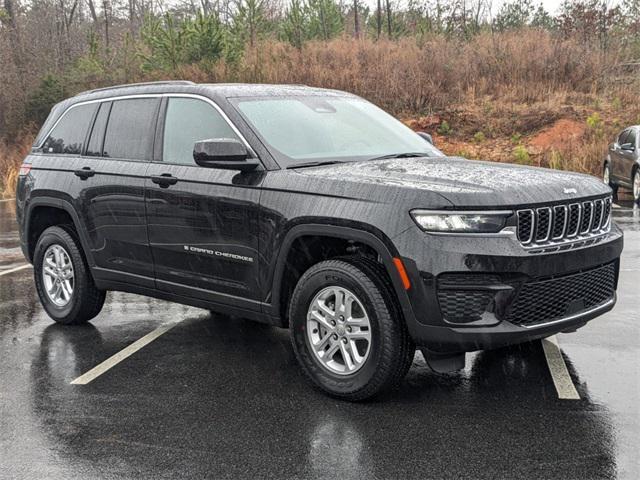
[554, 137]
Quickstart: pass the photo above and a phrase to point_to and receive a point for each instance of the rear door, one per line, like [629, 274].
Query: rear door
[116, 160]
[202, 222]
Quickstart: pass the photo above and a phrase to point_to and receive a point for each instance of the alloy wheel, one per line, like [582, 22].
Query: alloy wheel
[636, 185]
[57, 275]
[339, 330]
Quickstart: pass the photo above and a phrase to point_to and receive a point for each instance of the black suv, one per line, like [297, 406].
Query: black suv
[315, 210]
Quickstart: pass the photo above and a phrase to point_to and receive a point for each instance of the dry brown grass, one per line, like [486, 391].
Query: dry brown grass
[407, 77]
[11, 156]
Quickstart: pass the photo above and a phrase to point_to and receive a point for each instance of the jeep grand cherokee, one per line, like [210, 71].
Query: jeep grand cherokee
[315, 210]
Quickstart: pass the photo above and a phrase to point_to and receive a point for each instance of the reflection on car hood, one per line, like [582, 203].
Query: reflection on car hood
[468, 182]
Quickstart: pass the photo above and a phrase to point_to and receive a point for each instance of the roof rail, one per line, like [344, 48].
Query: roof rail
[142, 84]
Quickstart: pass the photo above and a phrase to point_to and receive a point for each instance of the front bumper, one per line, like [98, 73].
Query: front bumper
[492, 280]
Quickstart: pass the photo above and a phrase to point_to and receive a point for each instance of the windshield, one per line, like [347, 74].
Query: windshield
[303, 129]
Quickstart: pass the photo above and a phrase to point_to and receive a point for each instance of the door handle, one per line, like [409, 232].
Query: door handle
[164, 180]
[84, 173]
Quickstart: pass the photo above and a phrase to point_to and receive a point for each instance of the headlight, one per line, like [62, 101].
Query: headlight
[460, 222]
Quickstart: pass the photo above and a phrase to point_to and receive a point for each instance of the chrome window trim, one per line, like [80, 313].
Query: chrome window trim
[154, 95]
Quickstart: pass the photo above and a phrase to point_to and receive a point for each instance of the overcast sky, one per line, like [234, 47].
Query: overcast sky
[552, 6]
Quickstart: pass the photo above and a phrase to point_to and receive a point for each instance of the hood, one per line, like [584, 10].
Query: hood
[468, 183]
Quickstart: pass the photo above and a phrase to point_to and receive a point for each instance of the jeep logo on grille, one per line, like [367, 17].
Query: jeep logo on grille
[570, 190]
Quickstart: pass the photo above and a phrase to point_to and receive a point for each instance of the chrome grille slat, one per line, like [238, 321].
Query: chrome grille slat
[564, 223]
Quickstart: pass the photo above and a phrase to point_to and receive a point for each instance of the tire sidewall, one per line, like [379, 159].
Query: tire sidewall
[51, 236]
[304, 294]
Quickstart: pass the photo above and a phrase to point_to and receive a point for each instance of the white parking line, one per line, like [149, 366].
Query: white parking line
[16, 269]
[6, 200]
[111, 362]
[558, 369]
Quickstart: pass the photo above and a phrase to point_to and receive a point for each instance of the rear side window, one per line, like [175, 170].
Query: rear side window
[130, 129]
[69, 134]
[187, 121]
[94, 148]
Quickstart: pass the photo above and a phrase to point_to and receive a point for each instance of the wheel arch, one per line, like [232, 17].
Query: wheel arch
[377, 242]
[40, 203]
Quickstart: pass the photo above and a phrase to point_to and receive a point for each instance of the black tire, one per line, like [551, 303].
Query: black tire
[636, 195]
[611, 184]
[391, 350]
[86, 300]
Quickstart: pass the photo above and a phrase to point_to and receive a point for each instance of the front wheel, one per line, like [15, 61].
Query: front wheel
[347, 331]
[606, 177]
[63, 280]
[636, 185]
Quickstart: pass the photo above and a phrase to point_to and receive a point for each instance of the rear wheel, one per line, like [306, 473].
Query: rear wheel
[62, 278]
[347, 331]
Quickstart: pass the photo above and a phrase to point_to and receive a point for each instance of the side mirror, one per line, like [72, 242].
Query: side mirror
[224, 153]
[426, 137]
[630, 147]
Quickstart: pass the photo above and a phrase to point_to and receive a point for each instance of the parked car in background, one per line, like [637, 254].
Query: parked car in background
[621, 165]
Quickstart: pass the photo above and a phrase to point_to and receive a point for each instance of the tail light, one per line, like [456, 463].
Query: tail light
[25, 168]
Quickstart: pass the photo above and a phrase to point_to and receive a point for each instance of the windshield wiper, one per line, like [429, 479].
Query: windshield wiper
[401, 155]
[315, 164]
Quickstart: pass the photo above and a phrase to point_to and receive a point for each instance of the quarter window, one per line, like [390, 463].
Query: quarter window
[187, 121]
[68, 136]
[130, 129]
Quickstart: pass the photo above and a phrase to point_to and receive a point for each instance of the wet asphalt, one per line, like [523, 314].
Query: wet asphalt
[219, 397]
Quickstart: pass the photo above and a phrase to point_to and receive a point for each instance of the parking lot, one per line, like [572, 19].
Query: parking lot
[212, 396]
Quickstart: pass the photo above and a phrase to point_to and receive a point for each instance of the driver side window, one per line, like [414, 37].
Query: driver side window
[187, 121]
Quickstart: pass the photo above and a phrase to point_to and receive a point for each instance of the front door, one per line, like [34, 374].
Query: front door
[202, 222]
[618, 157]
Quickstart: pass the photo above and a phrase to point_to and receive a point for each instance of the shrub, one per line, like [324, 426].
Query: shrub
[521, 155]
[444, 128]
[479, 137]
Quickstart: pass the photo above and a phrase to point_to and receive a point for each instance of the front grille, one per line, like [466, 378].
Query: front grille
[546, 300]
[563, 223]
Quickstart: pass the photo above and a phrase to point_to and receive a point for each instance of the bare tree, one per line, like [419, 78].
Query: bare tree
[388, 18]
[92, 11]
[356, 20]
[379, 20]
